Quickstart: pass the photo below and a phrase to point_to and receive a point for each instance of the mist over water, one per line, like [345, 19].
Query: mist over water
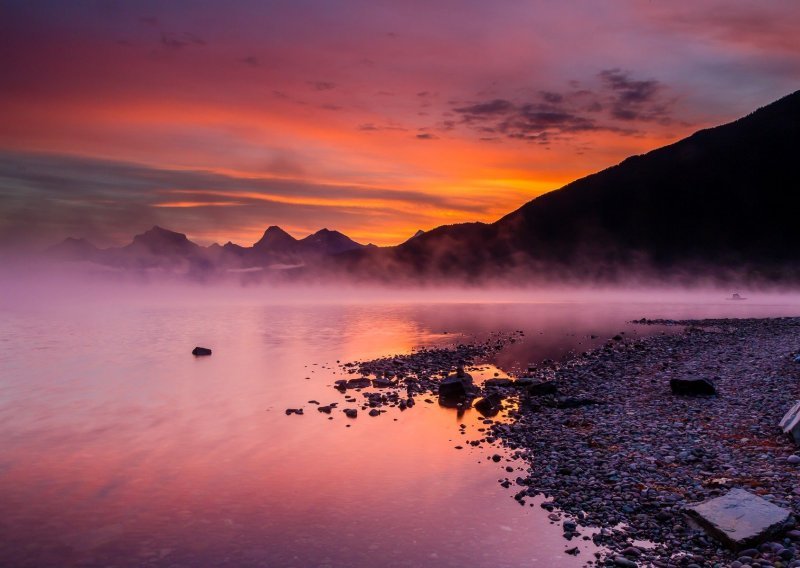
[121, 447]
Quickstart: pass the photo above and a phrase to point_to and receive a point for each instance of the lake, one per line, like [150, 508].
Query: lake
[119, 448]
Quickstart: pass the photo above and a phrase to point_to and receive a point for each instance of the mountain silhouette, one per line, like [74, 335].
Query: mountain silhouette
[723, 199]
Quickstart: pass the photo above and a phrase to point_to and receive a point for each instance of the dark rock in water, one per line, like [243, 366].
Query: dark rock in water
[350, 412]
[341, 385]
[360, 383]
[325, 409]
[692, 387]
[197, 351]
[374, 412]
[740, 519]
[453, 387]
[489, 405]
[574, 402]
[290, 411]
[498, 382]
[542, 388]
[382, 383]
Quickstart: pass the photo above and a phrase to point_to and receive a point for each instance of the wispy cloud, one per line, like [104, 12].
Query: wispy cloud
[615, 103]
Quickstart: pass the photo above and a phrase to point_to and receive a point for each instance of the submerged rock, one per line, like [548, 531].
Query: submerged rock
[692, 387]
[740, 519]
[199, 351]
[350, 412]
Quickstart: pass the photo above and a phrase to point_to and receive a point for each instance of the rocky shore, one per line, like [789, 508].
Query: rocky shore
[610, 447]
[631, 461]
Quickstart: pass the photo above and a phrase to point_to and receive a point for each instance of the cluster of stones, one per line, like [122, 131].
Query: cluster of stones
[400, 379]
[630, 436]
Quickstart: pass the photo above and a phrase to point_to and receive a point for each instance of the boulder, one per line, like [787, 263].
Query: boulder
[489, 405]
[692, 387]
[790, 423]
[789, 416]
[455, 386]
[199, 351]
[542, 388]
[350, 412]
[382, 383]
[740, 519]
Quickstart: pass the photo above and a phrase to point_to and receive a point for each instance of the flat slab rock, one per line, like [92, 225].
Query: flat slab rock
[739, 519]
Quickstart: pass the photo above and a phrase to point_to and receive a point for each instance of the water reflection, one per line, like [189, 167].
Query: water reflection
[121, 448]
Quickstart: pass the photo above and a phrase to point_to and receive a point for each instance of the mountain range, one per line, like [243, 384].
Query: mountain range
[169, 251]
[720, 202]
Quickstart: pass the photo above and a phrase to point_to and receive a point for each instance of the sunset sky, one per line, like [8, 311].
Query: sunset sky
[371, 117]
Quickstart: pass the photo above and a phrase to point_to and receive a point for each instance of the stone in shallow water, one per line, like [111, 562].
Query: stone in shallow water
[739, 519]
[200, 351]
[489, 405]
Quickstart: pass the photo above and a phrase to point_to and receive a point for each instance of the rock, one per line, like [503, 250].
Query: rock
[739, 519]
[574, 402]
[325, 409]
[200, 351]
[453, 387]
[790, 423]
[789, 416]
[692, 387]
[360, 383]
[374, 412]
[489, 405]
[341, 385]
[350, 412]
[498, 383]
[542, 388]
[382, 383]
[290, 411]
[624, 562]
[793, 459]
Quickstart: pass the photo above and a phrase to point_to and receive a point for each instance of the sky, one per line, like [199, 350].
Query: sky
[374, 118]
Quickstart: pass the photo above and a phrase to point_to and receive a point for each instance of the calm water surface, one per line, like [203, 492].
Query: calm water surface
[121, 449]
